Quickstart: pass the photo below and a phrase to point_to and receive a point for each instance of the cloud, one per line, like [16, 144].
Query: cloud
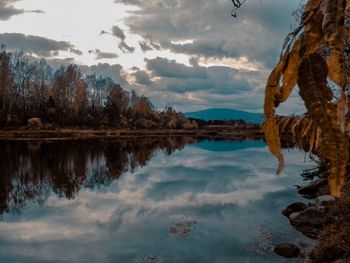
[102, 55]
[37, 11]
[206, 48]
[257, 33]
[7, 10]
[145, 46]
[125, 48]
[149, 45]
[170, 76]
[119, 33]
[36, 45]
[115, 72]
[194, 61]
[246, 48]
[196, 87]
[55, 63]
[189, 88]
[142, 77]
[185, 88]
[162, 67]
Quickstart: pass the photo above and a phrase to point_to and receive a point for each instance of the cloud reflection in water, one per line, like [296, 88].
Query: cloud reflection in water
[230, 193]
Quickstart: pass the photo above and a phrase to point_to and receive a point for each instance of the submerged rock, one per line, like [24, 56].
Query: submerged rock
[295, 207]
[287, 250]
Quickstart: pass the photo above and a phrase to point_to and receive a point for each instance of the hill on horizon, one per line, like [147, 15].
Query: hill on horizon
[225, 115]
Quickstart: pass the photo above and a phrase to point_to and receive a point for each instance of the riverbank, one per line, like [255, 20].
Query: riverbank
[78, 134]
[325, 219]
[334, 237]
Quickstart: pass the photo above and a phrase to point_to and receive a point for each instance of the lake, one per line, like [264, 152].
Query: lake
[145, 200]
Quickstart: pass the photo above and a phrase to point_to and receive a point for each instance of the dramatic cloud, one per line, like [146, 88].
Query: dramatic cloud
[185, 87]
[189, 53]
[119, 33]
[205, 28]
[36, 45]
[246, 48]
[189, 88]
[102, 55]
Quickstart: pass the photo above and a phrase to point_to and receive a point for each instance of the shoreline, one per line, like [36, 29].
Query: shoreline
[86, 134]
[324, 219]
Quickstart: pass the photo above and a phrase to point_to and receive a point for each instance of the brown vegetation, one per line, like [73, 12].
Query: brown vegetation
[34, 96]
[316, 57]
[315, 54]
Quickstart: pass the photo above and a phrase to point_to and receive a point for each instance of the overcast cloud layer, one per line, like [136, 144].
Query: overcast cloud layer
[195, 55]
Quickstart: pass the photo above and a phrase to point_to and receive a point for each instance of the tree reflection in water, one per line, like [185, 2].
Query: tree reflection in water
[31, 170]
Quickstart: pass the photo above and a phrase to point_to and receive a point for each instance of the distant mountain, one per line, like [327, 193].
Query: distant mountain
[225, 114]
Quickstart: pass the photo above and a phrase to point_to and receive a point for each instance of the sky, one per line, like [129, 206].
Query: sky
[188, 54]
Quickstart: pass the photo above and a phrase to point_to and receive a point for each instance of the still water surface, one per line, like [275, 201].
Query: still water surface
[169, 200]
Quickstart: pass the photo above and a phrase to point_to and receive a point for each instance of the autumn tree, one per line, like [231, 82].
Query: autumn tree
[143, 107]
[39, 89]
[116, 104]
[68, 93]
[23, 72]
[97, 90]
[80, 101]
[6, 85]
[31, 93]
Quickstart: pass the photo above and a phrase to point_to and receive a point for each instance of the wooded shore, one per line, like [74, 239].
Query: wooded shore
[76, 134]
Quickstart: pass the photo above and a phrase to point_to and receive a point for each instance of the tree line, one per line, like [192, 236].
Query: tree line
[34, 94]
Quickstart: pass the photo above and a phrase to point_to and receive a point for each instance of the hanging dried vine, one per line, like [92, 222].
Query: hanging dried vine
[325, 25]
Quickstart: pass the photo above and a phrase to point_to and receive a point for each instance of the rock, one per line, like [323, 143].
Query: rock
[287, 250]
[310, 217]
[292, 208]
[311, 191]
[309, 221]
[293, 215]
[324, 199]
